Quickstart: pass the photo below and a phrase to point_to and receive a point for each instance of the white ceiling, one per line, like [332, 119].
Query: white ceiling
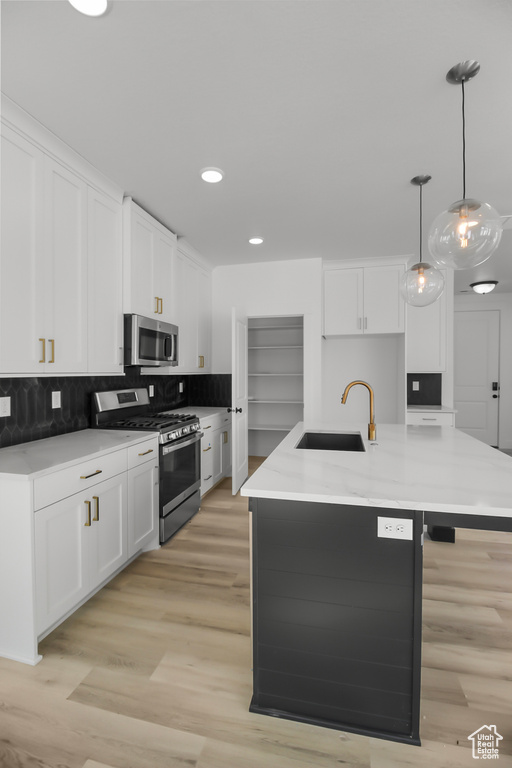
[318, 111]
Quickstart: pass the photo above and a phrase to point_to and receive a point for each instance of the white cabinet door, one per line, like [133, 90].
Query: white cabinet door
[62, 549]
[108, 550]
[79, 542]
[426, 336]
[206, 462]
[149, 250]
[384, 307]
[343, 302]
[165, 253]
[105, 274]
[225, 450]
[204, 320]
[65, 283]
[216, 438]
[22, 267]
[142, 506]
[184, 299]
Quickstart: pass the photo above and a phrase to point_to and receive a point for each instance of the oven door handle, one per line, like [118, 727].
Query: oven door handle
[170, 448]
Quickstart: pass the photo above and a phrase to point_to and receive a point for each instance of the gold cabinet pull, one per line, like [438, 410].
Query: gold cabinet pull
[52, 342]
[161, 306]
[225, 435]
[146, 452]
[88, 522]
[96, 517]
[86, 477]
[208, 478]
[207, 449]
[201, 361]
[208, 427]
[43, 342]
[157, 305]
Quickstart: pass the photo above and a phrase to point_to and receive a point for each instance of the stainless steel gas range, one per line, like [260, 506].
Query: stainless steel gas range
[179, 454]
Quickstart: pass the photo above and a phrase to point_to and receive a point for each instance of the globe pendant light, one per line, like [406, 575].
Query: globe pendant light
[422, 284]
[469, 232]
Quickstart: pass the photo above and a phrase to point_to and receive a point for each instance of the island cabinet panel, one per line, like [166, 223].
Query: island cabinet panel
[337, 618]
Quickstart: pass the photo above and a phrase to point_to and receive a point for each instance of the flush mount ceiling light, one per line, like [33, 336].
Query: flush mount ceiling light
[256, 240]
[422, 284]
[90, 7]
[469, 232]
[484, 286]
[212, 175]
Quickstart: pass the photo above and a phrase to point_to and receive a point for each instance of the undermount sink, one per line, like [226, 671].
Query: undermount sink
[331, 441]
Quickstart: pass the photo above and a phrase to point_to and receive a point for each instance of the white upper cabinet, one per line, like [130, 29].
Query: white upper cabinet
[149, 252]
[22, 266]
[427, 333]
[60, 257]
[192, 298]
[65, 279]
[363, 300]
[105, 295]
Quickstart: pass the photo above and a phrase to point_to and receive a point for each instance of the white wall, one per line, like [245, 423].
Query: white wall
[502, 302]
[278, 288]
[379, 360]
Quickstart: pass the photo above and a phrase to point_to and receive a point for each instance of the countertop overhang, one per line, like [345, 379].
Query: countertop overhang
[435, 469]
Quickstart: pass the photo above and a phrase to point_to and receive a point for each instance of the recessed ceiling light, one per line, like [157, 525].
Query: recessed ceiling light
[90, 7]
[212, 175]
[256, 240]
[484, 286]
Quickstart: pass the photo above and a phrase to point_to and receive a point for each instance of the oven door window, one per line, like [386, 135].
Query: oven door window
[180, 473]
[155, 345]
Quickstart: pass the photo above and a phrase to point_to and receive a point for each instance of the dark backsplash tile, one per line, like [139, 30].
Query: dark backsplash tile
[429, 392]
[33, 418]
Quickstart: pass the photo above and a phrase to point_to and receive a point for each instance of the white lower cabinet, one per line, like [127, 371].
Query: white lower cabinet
[142, 505]
[215, 449]
[430, 418]
[79, 542]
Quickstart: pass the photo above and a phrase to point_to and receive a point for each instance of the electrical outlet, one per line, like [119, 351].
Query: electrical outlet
[394, 528]
[180, 387]
[5, 406]
[151, 390]
[415, 386]
[56, 400]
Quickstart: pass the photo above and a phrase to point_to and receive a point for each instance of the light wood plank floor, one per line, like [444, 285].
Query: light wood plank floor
[154, 671]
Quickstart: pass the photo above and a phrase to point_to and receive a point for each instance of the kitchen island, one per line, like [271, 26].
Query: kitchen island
[337, 541]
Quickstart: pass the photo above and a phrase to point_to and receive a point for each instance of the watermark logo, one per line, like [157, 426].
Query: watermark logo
[486, 743]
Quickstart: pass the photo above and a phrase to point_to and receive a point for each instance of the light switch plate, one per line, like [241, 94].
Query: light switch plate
[180, 387]
[5, 406]
[56, 400]
[151, 390]
[394, 528]
[415, 386]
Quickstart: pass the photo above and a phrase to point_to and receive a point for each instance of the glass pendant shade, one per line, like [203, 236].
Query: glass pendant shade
[465, 235]
[422, 284]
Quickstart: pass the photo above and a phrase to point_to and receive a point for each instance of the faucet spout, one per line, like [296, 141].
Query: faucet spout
[372, 431]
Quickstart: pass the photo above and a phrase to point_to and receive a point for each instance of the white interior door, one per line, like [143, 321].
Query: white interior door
[476, 367]
[240, 428]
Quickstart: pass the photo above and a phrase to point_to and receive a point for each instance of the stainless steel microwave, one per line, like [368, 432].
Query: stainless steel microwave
[149, 342]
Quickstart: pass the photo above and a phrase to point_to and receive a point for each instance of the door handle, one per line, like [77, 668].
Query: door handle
[495, 397]
[234, 410]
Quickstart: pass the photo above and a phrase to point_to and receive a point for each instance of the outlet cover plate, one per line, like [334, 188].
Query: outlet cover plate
[394, 528]
[5, 406]
[56, 401]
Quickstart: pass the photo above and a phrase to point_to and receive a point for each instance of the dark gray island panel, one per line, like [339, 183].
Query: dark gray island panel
[336, 617]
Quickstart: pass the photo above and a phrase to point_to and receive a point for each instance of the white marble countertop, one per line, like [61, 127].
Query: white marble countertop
[438, 469]
[430, 408]
[27, 461]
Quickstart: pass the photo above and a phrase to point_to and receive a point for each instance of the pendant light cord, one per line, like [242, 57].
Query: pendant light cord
[463, 144]
[421, 219]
